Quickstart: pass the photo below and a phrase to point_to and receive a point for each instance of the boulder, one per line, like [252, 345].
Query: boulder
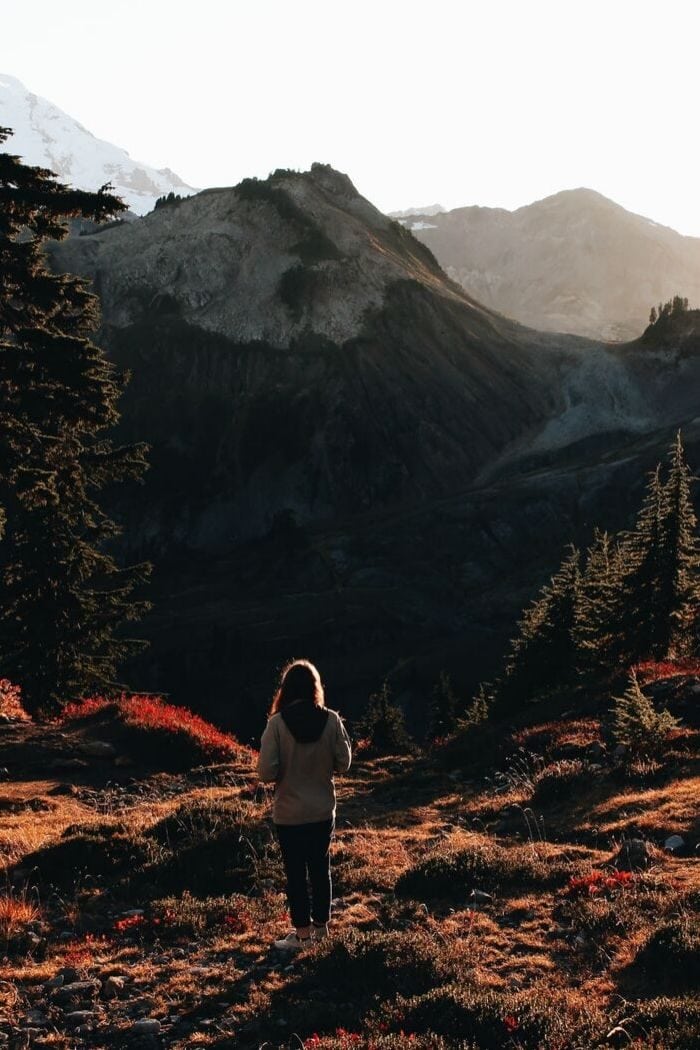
[633, 855]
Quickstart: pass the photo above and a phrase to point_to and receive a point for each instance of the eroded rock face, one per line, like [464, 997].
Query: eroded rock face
[292, 349]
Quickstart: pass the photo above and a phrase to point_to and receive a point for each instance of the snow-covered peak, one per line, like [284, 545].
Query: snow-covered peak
[46, 136]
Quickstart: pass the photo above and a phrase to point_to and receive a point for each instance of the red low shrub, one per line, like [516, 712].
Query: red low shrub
[599, 882]
[188, 738]
[655, 670]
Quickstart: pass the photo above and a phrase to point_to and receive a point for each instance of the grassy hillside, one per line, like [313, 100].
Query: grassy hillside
[526, 901]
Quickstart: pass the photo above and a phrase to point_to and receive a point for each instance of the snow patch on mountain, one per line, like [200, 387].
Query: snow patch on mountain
[44, 135]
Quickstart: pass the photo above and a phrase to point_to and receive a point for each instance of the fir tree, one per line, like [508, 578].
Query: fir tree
[679, 589]
[383, 724]
[63, 597]
[661, 584]
[600, 640]
[636, 724]
[544, 655]
[642, 621]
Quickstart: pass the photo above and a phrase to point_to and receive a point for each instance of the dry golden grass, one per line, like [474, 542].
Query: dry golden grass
[228, 989]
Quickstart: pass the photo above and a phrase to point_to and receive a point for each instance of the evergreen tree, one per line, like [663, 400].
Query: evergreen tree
[443, 708]
[600, 640]
[679, 584]
[479, 709]
[652, 314]
[636, 724]
[660, 589]
[544, 655]
[63, 596]
[642, 621]
[383, 724]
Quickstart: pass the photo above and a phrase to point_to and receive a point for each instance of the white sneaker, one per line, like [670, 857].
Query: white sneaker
[319, 933]
[292, 943]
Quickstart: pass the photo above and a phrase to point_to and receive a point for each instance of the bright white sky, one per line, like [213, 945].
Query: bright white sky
[499, 102]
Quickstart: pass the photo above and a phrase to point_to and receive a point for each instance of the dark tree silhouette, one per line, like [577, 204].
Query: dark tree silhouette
[543, 656]
[63, 596]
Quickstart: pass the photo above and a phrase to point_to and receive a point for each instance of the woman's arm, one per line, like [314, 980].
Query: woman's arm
[269, 757]
[342, 754]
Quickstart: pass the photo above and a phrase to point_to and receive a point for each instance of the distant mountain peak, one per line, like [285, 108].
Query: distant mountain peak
[430, 210]
[46, 136]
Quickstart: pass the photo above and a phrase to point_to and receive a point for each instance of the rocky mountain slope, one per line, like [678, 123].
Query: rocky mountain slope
[574, 262]
[46, 136]
[351, 457]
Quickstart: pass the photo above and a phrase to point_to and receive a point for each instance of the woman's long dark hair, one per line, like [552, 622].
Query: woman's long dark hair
[299, 680]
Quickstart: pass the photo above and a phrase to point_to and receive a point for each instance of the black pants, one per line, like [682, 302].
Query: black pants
[306, 849]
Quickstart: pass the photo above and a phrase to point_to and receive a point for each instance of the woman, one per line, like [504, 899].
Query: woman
[303, 745]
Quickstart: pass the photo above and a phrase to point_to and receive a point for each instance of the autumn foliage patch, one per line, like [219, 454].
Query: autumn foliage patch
[655, 670]
[187, 738]
[11, 702]
[599, 882]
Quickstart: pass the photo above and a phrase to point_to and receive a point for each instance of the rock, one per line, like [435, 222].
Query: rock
[132, 913]
[56, 982]
[480, 897]
[76, 991]
[674, 843]
[68, 973]
[123, 760]
[146, 1026]
[98, 749]
[620, 751]
[112, 987]
[618, 1036]
[68, 764]
[64, 789]
[80, 1017]
[596, 750]
[633, 855]
[37, 1017]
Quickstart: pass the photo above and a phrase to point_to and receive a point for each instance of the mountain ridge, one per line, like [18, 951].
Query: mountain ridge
[574, 261]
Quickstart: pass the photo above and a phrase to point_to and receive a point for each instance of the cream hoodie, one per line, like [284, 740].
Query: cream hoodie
[302, 771]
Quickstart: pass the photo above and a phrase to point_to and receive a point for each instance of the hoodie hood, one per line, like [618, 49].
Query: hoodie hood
[305, 721]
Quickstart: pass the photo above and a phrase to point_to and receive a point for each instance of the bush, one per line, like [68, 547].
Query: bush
[671, 956]
[155, 732]
[371, 967]
[559, 781]
[209, 848]
[343, 1039]
[493, 1018]
[636, 724]
[11, 702]
[99, 854]
[202, 847]
[450, 872]
[667, 1024]
[474, 748]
